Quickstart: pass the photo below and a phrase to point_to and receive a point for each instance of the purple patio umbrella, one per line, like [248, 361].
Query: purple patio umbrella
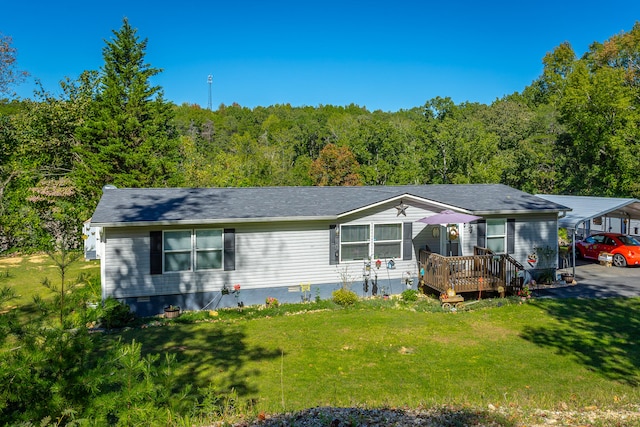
[449, 217]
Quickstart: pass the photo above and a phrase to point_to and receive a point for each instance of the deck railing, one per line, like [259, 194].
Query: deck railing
[483, 271]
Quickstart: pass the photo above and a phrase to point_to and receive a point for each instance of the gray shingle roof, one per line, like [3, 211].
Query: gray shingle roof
[193, 205]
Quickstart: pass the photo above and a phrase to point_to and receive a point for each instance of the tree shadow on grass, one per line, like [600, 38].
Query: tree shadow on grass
[602, 334]
[206, 356]
[365, 417]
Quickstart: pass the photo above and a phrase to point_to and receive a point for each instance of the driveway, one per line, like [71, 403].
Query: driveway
[596, 281]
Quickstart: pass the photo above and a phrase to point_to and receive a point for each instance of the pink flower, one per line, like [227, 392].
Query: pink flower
[236, 287]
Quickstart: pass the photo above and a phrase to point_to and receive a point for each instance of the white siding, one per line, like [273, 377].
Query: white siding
[278, 254]
[267, 255]
[531, 231]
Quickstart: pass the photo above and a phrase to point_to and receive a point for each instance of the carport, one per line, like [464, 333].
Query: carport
[586, 208]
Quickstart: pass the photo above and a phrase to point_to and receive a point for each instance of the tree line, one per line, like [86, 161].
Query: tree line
[574, 130]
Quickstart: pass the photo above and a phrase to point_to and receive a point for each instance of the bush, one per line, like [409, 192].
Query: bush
[272, 302]
[410, 295]
[115, 314]
[344, 297]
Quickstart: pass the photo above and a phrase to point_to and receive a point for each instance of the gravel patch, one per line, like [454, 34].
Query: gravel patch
[446, 417]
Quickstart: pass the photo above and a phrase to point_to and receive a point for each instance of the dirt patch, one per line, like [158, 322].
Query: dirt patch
[37, 259]
[16, 260]
[10, 261]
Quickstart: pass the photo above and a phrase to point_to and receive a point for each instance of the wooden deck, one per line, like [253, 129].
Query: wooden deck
[482, 272]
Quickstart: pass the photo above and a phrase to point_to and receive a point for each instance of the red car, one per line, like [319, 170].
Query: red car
[625, 249]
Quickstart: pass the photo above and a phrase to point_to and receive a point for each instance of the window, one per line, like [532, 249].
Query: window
[354, 242]
[182, 247]
[387, 241]
[496, 235]
[177, 250]
[357, 242]
[209, 248]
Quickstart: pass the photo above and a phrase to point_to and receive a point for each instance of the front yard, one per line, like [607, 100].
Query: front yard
[499, 361]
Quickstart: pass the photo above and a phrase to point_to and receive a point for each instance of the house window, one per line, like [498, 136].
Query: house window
[182, 247]
[387, 241]
[354, 242]
[177, 250]
[357, 242]
[209, 248]
[497, 235]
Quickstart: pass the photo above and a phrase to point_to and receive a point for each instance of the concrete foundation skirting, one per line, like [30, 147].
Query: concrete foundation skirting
[154, 305]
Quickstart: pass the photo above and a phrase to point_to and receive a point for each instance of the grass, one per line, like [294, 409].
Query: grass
[25, 275]
[544, 354]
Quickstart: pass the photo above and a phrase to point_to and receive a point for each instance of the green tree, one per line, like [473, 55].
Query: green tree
[601, 119]
[128, 139]
[558, 65]
[37, 160]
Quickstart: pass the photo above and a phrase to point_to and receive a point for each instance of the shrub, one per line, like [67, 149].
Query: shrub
[115, 314]
[272, 302]
[344, 297]
[410, 295]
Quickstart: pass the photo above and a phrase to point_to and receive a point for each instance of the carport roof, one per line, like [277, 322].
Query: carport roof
[585, 208]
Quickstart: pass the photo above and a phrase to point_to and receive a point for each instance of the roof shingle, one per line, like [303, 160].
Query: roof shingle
[173, 205]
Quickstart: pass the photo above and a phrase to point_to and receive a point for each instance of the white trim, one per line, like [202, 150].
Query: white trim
[488, 236]
[371, 248]
[193, 251]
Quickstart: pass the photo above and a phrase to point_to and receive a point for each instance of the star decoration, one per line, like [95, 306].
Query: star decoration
[402, 208]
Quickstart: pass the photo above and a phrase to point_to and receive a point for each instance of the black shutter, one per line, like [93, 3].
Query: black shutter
[155, 251]
[482, 233]
[511, 235]
[334, 252]
[407, 241]
[229, 249]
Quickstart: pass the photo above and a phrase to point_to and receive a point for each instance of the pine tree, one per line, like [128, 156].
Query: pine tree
[129, 139]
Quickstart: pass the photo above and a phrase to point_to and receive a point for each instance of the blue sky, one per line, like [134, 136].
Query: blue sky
[386, 55]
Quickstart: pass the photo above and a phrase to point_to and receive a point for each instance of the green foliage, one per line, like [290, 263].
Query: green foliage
[128, 138]
[115, 314]
[344, 297]
[272, 302]
[572, 131]
[410, 295]
[160, 375]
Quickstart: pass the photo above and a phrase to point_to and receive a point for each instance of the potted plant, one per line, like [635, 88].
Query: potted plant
[524, 293]
[567, 277]
[171, 311]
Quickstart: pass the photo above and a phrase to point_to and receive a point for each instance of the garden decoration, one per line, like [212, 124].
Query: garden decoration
[407, 279]
[236, 294]
[225, 289]
[305, 288]
[366, 274]
[171, 312]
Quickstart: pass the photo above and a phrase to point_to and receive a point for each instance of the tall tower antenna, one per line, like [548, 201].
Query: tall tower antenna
[209, 80]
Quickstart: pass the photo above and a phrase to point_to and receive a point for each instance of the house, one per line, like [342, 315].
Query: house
[203, 248]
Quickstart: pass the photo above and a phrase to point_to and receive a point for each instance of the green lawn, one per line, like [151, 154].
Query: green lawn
[543, 354]
[25, 275]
